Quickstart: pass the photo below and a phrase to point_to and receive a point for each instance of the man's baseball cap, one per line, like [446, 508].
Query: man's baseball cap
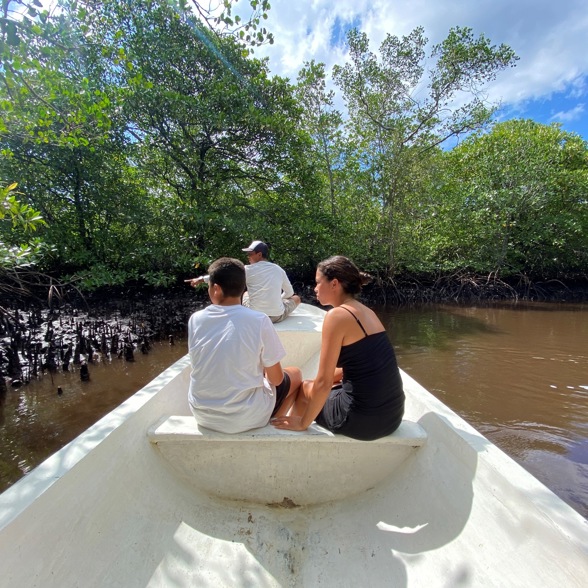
[257, 247]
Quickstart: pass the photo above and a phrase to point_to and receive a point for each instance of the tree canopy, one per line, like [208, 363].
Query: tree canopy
[151, 140]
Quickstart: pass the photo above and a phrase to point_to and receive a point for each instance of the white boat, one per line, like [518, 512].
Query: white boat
[144, 498]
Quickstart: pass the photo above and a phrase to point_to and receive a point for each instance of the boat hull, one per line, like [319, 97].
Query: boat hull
[110, 510]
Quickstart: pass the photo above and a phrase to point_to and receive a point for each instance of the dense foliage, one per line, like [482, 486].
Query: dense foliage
[17, 222]
[150, 140]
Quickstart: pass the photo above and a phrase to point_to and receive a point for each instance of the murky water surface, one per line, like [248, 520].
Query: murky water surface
[36, 421]
[518, 374]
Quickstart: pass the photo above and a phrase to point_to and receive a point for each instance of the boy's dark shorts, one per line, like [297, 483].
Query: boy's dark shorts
[282, 390]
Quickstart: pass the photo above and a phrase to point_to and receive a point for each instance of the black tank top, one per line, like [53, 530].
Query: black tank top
[370, 401]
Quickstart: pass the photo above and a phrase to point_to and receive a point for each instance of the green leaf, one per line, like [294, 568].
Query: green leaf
[12, 37]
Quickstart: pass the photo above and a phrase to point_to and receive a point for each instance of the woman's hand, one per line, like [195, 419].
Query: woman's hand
[290, 423]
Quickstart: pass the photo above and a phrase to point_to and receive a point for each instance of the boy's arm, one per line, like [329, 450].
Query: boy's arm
[275, 374]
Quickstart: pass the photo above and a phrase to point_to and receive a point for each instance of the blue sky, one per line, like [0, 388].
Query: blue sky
[549, 83]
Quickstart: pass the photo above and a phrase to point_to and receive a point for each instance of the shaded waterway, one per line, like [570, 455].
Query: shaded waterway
[36, 420]
[518, 374]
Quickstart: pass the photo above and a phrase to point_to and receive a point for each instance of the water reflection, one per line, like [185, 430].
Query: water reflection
[36, 421]
[519, 374]
[436, 327]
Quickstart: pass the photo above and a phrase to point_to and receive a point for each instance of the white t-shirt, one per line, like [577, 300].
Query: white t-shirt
[267, 284]
[229, 347]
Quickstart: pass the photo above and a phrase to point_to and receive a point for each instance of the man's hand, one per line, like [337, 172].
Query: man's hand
[195, 281]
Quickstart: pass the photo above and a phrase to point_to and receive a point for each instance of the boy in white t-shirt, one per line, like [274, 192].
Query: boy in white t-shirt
[237, 382]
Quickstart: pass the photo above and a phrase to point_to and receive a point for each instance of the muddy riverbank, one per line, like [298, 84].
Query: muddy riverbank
[74, 335]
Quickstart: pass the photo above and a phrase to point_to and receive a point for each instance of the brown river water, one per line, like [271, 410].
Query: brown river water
[517, 373]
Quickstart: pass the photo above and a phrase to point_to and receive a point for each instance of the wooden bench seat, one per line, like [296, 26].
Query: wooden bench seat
[272, 466]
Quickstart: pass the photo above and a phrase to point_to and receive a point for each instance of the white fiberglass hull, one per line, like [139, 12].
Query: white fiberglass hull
[110, 510]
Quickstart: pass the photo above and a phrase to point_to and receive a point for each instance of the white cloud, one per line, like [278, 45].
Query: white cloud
[549, 37]
[569, 115]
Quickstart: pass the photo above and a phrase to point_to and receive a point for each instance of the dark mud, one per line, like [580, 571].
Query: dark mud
[37, 339]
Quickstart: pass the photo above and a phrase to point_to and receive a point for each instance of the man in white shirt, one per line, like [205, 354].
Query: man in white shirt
[237, 381]
[268, 288]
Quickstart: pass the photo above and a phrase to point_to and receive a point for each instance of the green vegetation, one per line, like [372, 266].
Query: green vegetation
[150, 140]
[17, 222]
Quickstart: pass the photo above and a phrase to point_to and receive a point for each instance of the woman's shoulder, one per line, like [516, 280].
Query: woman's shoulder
[365, 316]
[357, 309]
[338, 313]
[342, 317]
[336, 318]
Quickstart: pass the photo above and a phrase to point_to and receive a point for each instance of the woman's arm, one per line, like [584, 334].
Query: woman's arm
[332, 337]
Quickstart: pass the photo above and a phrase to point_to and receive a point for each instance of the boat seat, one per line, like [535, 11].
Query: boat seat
[277, 467]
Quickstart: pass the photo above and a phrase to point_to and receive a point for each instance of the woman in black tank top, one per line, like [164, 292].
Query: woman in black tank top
[358, 388]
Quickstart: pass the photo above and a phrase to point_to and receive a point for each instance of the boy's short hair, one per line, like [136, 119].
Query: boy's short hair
[229, 274]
